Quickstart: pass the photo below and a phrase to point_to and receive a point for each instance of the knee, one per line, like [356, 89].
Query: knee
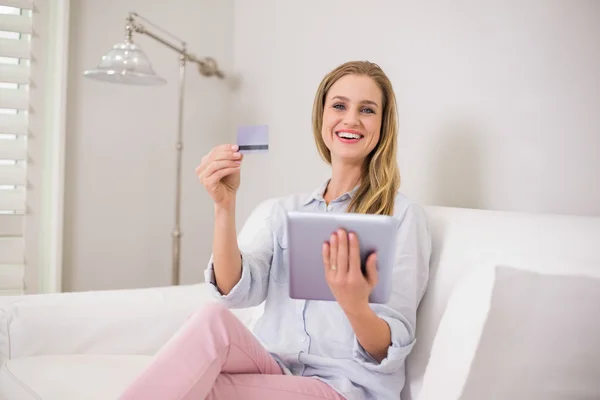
[215, 310]
[211, 312]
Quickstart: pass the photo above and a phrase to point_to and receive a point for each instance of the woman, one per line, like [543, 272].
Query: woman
[348, 349]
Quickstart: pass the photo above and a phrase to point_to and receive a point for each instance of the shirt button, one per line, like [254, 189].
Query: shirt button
[329, 208]
[303, 339]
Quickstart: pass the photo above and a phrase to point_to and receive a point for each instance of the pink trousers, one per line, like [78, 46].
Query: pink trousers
[214, 356]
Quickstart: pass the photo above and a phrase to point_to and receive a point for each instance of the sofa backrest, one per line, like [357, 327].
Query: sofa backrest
[464, 239]
[467, 239]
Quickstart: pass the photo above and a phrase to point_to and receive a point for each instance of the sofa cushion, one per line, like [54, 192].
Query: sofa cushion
[73, 377]
[516, 334]
[457, 337]
[465, 240]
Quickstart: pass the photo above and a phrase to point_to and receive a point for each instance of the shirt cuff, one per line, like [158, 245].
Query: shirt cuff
[238, 292]
[399, 349]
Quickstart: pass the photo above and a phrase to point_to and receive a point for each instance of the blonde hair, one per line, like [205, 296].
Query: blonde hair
[380, 179]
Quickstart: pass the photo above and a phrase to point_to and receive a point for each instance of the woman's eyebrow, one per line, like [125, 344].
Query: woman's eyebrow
[363, 101]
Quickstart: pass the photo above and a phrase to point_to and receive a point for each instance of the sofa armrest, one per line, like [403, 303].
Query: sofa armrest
[133, 321]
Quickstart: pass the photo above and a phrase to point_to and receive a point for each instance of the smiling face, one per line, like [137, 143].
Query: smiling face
[352, 117]
[355, 127]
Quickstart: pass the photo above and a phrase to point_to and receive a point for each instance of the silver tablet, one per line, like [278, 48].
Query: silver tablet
[307, 231]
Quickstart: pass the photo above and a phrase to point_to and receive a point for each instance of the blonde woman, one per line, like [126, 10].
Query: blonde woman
[347, 349]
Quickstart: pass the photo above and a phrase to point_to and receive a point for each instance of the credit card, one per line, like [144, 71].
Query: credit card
[253, 138]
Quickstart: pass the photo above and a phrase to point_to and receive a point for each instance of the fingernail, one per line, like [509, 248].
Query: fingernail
[234, 147]
[236, 155]
[238, 162]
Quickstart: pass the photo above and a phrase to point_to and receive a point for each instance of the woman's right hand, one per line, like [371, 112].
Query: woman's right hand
[219, 172]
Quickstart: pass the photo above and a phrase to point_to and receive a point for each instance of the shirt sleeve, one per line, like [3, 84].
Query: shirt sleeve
[257, 254]
[409, 280]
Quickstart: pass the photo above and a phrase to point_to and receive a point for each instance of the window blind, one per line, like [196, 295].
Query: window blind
[15, 44]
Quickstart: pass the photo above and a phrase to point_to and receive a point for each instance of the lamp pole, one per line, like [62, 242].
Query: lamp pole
[206, 67]
[118, 67]
[176, 262]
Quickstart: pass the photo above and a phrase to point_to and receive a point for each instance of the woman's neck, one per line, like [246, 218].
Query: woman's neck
[343, 179]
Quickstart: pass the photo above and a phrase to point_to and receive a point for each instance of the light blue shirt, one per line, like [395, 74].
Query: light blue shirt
[315, 338]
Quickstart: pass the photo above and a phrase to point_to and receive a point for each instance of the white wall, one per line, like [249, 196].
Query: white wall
[499, 102]
[120, 166]
[498, 108]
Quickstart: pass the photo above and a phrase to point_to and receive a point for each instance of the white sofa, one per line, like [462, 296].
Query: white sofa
[89, 345]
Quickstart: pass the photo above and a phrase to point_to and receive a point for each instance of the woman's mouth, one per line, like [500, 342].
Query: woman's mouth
[348, 136]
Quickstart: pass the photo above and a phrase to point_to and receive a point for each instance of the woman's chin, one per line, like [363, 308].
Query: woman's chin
[348, 157]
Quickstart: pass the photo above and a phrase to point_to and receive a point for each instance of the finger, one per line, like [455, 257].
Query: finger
[215, 156]
[202, 166]
[354, 269]
[342, 252]
[227, 146]
[326, 259]
[333, 252]
[217, 153]
[223, 152]
[372, 274]
[214, 179]
[227, 154]
[217, 166]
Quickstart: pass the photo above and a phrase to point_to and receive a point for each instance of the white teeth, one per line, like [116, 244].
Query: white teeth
[348, 135]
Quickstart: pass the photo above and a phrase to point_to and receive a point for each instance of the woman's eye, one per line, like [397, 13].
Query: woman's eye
[368, 111]
[338, 106]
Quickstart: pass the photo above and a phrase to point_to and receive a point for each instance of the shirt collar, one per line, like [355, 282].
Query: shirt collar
[317, 194]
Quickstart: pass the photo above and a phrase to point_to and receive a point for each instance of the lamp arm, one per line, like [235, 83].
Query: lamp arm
[207, 66]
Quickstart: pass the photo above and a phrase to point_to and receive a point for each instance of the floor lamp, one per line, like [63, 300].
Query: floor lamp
[126, 63]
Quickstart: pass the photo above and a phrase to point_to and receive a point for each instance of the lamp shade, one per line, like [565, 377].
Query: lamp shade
[125, 63]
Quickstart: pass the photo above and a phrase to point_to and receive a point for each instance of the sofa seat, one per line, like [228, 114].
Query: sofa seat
[90, 345]
[63, 377]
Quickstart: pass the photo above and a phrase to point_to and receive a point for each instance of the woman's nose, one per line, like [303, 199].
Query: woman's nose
[351, 119]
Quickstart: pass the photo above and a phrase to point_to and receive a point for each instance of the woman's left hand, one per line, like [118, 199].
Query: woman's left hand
[341, 258]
